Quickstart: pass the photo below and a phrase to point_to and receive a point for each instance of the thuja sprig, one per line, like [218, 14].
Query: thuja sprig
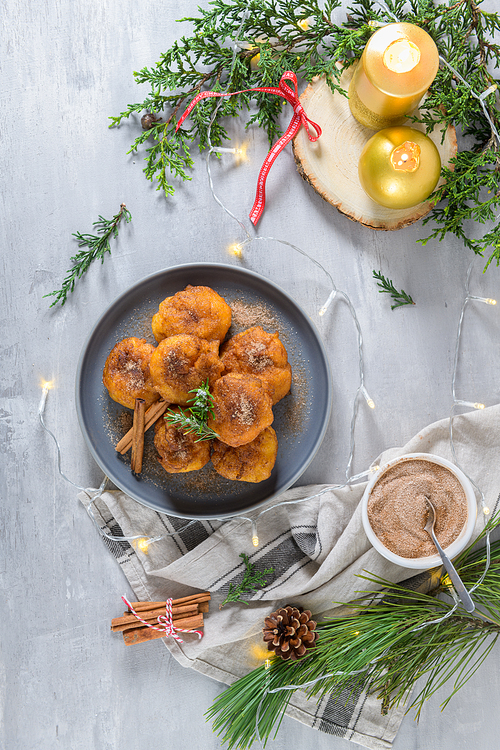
[386, 286]
[194, 420]
[97, 245]
[252, 579]
[379, 646]
[302, 35]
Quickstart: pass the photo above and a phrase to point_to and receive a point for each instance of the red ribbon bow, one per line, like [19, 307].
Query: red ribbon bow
[299, 118]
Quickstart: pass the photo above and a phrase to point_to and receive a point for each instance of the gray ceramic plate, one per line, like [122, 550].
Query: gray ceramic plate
[300, 419]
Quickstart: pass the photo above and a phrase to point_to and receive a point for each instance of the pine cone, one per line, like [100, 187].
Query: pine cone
[289, 632]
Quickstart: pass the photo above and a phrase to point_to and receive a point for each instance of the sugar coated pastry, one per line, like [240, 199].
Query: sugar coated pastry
[181, 363]
[126, 372]
[179, 452]
[242, 408]
[252, 462]
[198, 311]
[256, 352]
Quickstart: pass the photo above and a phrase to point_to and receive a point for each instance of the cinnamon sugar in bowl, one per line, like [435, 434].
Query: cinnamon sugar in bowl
[394, 509]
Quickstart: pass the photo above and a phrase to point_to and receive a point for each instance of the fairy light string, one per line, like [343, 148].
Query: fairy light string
[141, 542]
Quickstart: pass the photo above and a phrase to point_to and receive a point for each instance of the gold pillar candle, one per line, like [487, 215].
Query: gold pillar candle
[399, 167]
[398, 64]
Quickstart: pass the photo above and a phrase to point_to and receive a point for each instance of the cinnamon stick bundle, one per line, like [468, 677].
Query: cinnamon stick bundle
[187, 613]
[154, 412]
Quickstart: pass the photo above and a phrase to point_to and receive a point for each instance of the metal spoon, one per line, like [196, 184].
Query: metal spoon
[455, 578]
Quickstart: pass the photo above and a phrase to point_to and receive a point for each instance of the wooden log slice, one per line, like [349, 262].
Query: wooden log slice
[330, 165]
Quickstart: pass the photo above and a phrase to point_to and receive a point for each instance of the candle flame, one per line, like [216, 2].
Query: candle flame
[401, 56]
[406, 158]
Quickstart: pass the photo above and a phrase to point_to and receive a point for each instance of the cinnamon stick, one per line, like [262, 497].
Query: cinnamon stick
[138, 436]
[140, 635]
[154, 412]
[134, 623]
[203, 596]
[151, 615]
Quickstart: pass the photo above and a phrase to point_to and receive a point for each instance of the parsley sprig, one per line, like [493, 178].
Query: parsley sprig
[97, 245]
[252, 579]
[194, 420]
[386, 285]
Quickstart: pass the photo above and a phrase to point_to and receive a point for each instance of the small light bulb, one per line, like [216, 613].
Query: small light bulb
[142, 545]
[304, 24]
[255, 540]
[486, 510]
[236, 250]
[267, 664]
[46, 387]
[327, 303]
[368, 399]
[471, 404]
[488, 91]
[485, 300]
[254, 61]
[356, 632]
[374, 468]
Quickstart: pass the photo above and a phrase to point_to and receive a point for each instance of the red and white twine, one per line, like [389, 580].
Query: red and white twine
[165, 622]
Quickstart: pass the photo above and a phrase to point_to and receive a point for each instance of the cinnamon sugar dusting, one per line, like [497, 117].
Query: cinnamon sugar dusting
[256, 356]
[397, 508]
[242, 409]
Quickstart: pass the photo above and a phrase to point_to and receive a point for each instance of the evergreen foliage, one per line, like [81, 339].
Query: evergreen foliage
[385, 643]
[310, 37]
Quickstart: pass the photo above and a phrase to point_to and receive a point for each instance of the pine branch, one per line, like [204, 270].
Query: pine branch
[252, 579]
[377, 647]
[386, 285]
[97, 246]
[195, 419]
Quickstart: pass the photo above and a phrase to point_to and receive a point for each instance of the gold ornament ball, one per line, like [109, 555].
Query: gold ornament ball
[399, 167]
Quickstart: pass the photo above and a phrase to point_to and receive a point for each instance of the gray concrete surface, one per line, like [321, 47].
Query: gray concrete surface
[67, 66]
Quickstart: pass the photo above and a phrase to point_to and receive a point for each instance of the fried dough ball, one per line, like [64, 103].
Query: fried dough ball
[126, 372]
[242, 408]
[252, 462]
[198, 311]
[181, 363]
[256, 352]
[179, 452]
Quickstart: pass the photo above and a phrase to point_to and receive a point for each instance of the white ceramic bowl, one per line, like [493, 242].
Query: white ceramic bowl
[455, 547]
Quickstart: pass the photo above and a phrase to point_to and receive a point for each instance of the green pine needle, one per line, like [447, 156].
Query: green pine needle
[252, 579]
[97, 246]
[386, 285]
[377, 647]
[194, 420]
